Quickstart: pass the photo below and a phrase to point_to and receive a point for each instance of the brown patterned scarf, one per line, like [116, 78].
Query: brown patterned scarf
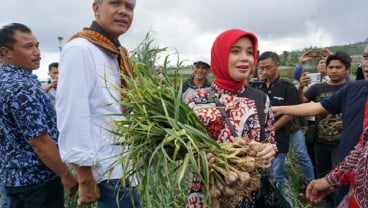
[100, 40]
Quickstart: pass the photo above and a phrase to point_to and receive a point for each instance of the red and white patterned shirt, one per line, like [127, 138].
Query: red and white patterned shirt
[242, 113]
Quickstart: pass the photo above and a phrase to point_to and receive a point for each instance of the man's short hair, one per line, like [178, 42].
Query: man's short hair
[341, 56]
[53, 64]
[269, 54]
[7, 34]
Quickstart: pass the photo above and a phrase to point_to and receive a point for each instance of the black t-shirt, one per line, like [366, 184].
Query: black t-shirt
[281, 92]
[326, 131]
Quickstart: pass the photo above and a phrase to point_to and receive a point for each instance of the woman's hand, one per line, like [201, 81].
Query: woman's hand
[318, 189]
[265, 153]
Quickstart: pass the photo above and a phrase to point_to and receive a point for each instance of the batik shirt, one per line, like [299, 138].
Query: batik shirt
[25, 113]
[354, 171]
[242, 113]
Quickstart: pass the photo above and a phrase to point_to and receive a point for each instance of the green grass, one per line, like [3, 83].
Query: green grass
[294, 184]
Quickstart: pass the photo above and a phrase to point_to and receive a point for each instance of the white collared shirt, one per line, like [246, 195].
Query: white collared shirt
[86, 99]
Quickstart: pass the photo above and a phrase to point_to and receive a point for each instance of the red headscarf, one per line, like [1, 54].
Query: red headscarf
[220, 58]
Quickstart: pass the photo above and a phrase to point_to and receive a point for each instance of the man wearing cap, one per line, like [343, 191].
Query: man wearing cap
[201, 68]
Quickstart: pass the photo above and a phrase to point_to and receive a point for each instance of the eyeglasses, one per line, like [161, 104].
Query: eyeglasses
[268, 67]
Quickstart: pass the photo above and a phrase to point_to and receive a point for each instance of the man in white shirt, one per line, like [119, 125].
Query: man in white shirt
[89, 79]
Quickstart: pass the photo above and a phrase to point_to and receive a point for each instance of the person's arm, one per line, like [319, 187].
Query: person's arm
[318, 189]
[76, 142]
[282, 121]
[50, 85]
[299, 67]
[341, 174]
[305, 110]
[46, 150]
[88, 189]
[37, 125]
[303, 82]
[298, 71]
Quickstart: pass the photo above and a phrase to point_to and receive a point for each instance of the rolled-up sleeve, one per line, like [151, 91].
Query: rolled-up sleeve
[73, 109]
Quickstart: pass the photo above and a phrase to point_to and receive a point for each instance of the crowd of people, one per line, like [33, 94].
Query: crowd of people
[43, 129]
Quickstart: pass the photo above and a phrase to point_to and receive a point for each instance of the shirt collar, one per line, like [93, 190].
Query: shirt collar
[273, 82]
[21, 71]
[206, 83]
[96, 27]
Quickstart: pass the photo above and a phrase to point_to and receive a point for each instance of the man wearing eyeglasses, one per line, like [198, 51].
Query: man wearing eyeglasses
[280, 92]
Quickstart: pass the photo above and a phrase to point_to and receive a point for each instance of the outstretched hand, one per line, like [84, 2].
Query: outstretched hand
[318, 189]
[305, 58]
[326, 52]
[276, 110]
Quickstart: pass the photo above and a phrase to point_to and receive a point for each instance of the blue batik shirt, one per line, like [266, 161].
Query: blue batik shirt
[25, 113]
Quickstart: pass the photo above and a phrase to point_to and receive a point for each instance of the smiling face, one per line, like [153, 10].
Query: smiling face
[200, 70]
[114, 16]
[241, 59]
[24, 53]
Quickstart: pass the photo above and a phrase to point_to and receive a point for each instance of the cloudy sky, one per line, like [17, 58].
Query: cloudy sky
[190, 26]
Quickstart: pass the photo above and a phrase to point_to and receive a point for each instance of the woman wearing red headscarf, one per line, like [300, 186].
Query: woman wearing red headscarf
[233, 56]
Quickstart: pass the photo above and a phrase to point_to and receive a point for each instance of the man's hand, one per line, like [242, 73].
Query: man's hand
[88, 189]
[88, 192]
[52, 84]
[326, 52]
[276, 110]
[305, 58]
[70, 182]
[338, 125]
[318, 189]
[305, 80]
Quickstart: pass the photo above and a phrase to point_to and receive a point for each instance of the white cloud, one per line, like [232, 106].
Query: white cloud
[190, 26]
